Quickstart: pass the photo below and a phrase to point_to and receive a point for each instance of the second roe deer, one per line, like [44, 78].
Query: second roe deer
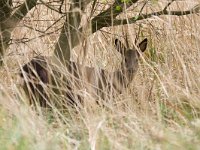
[93, 80]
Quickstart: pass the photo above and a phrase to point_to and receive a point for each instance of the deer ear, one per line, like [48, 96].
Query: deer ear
[119, 46]
[143, 45]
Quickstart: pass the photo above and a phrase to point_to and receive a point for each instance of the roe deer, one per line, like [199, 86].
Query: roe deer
[35, 74]
[93, 80]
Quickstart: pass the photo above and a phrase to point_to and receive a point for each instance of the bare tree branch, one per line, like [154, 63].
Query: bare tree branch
[105, 18]
[5, 9]
[7, 26]
[168, 5]
[50, 7]
[134, 19]
[23, 10]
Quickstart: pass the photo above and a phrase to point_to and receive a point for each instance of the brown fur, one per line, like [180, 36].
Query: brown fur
[94, 81]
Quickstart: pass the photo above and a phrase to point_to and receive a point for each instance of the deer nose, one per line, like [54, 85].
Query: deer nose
[131, 70]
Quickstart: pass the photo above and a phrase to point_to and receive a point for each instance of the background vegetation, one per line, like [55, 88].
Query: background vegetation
[161, 108]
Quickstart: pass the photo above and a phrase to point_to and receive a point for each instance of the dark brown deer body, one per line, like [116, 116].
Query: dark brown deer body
[35, 75]
[93, 80]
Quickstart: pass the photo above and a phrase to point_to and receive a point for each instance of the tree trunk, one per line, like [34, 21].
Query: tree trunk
[5, 12]
[8, 22]
[71, 35]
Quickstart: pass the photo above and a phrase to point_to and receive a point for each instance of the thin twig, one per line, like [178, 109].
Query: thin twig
[194, 10]
[50, 7]
[165, 9]
[60, 8]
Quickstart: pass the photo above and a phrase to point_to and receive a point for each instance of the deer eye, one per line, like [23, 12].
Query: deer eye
[125, 60]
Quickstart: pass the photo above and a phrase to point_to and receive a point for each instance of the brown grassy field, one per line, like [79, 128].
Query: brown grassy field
[160, 110]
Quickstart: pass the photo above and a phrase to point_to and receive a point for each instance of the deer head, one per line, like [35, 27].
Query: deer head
[130, 57]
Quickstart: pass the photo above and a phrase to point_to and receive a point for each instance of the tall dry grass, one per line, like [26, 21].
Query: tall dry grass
[160, 110]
